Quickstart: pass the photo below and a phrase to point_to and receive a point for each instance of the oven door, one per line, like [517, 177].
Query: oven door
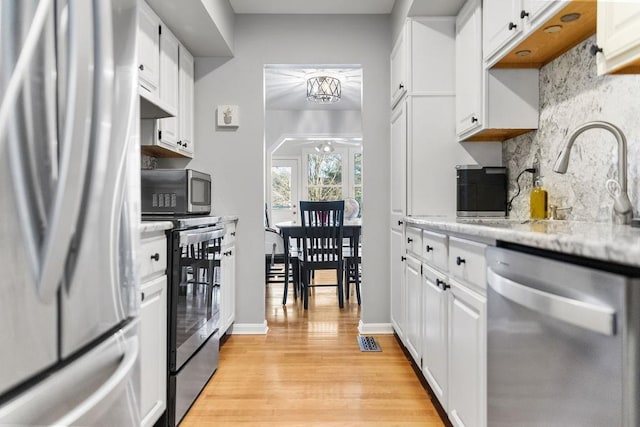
[195, 292]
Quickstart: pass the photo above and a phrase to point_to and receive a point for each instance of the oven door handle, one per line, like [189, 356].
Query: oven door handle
[190, 237]
[597, 318]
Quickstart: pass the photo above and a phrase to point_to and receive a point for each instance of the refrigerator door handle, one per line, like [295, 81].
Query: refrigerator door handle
[89, 391]
[75, 147]
[597, 318]
[33, 124]
[108, 390]
[21, 70]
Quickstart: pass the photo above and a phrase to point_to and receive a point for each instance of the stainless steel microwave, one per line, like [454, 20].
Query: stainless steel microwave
[175, 192]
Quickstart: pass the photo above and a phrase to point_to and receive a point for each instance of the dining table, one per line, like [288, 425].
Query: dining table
[351, 230]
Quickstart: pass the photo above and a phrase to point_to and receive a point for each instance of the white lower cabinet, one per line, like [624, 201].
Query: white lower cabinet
[413, 279]
[153, 327]
[435, 332]
[153, 350]
[398, 293]
[228, 279]
[467, 357]
[443, 323]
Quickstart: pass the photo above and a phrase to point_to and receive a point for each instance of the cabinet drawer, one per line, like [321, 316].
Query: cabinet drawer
[153, 255]
[467, 261]
[414, 241]
[435, 250]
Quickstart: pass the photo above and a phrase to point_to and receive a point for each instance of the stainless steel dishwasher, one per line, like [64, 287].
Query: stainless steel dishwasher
[563, 343]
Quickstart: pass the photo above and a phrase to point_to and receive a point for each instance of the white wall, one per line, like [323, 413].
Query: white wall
[235, 158]
[282, 123]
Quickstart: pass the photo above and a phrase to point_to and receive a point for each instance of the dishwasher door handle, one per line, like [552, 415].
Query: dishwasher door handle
[597, 318]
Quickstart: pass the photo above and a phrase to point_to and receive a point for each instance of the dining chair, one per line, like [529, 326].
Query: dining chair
[322, 226]
[352, 269]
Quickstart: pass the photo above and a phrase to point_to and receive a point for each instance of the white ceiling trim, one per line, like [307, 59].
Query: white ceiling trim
[330, 7]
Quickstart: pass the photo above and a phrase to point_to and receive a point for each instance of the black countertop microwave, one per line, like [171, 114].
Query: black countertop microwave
[175, 192]
[481, 191]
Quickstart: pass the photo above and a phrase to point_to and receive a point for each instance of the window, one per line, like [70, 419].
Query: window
[324, 176]
[357, 178]
[281, 187]
[332, 176]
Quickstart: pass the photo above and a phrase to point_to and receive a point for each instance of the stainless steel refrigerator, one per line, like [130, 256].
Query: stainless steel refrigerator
[69, 209]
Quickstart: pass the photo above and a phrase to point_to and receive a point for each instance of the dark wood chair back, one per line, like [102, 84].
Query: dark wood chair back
[322, 224]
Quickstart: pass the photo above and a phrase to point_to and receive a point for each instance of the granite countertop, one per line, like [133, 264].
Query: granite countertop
[228, 218]
[151, 226]
[607, 242]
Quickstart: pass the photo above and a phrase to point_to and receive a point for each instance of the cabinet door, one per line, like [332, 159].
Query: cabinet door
[467, 357]
[500, 24]
[534, 11]
[413, 330]
[148, 47]
[398, 68]
[153, 350]
[618, 36]
[227, 287]
[469, 71]
[397, 283]
[169, 72]
[398, 164]
[435, 334]
[185, 110]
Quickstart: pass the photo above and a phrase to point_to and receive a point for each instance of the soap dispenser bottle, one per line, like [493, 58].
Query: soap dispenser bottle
[538, 201]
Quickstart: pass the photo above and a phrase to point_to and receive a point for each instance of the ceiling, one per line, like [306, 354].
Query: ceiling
[314, 6]
[286, 87]
[330, 7]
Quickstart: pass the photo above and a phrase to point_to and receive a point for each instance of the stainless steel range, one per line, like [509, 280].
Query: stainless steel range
[193, 308]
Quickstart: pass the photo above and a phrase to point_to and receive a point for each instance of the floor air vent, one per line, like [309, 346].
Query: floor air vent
[368, 344]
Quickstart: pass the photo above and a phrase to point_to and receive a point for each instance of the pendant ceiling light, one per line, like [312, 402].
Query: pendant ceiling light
[325, 147]
[324, 89]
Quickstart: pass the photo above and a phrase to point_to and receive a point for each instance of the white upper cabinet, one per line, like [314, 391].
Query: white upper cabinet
[421, 59]
[398, 69]
[501, 24]
[185, 107]
[469, 68]
[533, 11]
[619, 37]
[169, 71]
[491, 105]
[148, 48]
[166, 89]
[169, 58]
[398, 154]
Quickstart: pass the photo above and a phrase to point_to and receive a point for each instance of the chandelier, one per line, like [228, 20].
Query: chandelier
[323, 89]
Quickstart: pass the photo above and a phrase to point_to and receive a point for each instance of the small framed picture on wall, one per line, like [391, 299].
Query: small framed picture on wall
[227, 116]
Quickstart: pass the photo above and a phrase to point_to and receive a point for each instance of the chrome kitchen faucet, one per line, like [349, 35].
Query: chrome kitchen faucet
[620, 215]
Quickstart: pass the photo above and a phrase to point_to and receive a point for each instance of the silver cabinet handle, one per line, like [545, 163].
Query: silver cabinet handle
[597, 318]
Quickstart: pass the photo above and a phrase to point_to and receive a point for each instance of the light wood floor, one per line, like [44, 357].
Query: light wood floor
[309, 371]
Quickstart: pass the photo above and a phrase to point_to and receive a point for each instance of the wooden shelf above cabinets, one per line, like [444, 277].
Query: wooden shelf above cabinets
[160, 151]
[489, 135]
[544, 45]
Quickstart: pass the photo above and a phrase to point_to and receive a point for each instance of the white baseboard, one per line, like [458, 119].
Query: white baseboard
[249, 328]
[375, 328]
